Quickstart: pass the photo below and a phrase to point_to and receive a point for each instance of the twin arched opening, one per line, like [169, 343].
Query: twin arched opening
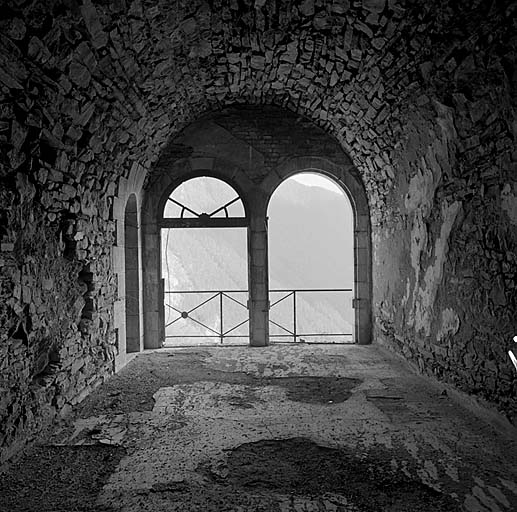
[253, 149]
[247, 207]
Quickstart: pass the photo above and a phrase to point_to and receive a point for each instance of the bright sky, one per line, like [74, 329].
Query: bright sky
[317, 180]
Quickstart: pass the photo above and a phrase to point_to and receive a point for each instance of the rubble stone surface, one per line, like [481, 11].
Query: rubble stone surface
[421, 95]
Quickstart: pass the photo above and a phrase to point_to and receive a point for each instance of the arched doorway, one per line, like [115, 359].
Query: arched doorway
[132, 279]
[204, 270]
[311, 261]
[348, 180]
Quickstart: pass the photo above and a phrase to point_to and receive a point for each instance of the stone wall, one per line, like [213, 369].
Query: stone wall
[447, 248]
[420, 94]
[63, 150]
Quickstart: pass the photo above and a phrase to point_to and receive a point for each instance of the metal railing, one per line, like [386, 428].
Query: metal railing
[220, 331]
[295, 332]
[216, 296]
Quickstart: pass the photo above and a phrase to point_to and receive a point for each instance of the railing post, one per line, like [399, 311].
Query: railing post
[221, 315]
[294, 315]
[161, 311]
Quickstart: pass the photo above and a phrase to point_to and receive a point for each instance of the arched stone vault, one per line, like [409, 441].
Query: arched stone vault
[254, 149]
[421, 95]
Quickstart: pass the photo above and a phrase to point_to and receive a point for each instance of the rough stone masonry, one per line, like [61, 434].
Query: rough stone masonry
[420, 94]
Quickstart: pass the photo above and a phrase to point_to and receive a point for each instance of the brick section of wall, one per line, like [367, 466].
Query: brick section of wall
[256, 138]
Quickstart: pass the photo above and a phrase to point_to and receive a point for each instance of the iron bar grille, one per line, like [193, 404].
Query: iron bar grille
[209, 315]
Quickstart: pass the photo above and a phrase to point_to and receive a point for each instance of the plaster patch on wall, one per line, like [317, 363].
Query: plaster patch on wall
[433, 275]
[418, 242]
[377, 241]
[408, 292]
[509, 203]
[450, 323]
[445, 120]
[419, 200]
[422, 186]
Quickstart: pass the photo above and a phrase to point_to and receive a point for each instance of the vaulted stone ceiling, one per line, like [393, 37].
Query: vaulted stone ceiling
[121, 77]
[421, 95]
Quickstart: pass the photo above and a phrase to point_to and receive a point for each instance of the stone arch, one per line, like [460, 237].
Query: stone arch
[127, 187]
[351, 184]
[253, 148]
[131, 275]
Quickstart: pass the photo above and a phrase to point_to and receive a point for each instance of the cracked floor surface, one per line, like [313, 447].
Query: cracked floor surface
[282, 428]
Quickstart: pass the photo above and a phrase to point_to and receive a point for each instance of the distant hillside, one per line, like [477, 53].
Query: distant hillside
[310, 246]
[310, 238]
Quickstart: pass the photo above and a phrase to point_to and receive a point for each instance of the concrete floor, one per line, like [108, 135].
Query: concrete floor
[282, 428]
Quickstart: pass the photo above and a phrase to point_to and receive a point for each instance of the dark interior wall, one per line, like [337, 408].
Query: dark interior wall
[446, 262]
[420, 94]
[67, 133]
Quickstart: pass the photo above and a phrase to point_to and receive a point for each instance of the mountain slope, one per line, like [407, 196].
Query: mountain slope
[310, 246]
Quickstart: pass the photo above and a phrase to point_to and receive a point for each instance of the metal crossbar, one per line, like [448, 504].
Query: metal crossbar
[221, 333]
[204, 220]
[185, 208]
